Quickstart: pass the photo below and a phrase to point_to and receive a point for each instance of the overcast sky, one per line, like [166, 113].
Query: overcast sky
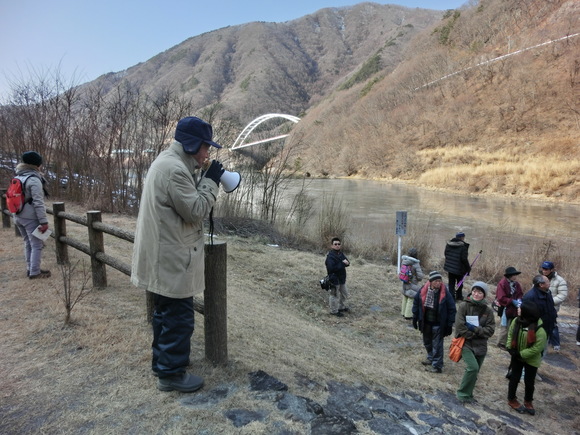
[84, 39]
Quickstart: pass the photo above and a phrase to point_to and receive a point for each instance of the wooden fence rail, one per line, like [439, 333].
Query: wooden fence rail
[214, 304]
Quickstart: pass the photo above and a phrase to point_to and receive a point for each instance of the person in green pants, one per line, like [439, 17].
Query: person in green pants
[475, 321]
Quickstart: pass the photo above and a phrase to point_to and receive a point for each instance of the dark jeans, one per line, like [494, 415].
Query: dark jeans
[173, 324]
[554, 338]
[517, 366]
[453, 280]
[433, 342]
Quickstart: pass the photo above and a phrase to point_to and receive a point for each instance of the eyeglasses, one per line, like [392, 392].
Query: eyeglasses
[336, 243]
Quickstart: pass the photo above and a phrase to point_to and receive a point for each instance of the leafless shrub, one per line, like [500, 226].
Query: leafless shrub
[333, 220]
[69, 295]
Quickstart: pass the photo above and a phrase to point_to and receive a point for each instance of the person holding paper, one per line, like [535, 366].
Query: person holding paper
[476, 322]
[32, 218]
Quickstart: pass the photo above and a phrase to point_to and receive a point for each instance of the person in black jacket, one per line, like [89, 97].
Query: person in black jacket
[541, 296]
[336, 264]
[457, 263]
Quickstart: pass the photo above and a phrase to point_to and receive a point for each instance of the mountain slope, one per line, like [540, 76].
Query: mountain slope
[260, 67]
[509, 126]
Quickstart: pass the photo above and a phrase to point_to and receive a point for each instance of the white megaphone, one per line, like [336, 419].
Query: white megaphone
[230, 181]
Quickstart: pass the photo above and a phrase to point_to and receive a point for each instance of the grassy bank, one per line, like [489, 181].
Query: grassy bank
[94, 375]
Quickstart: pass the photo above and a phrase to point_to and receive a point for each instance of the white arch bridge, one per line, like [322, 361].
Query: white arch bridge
[239, 142]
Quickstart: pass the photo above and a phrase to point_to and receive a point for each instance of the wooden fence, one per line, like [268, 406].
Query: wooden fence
[214, 304]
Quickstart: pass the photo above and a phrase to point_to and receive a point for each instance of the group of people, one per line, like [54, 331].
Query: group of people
[168, 261]
[528, 321]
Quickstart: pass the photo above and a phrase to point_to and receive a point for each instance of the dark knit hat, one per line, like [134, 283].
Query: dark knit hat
[32, 158]
[413, 252]
[192, 132]
[459, 235]
[435, 275]
[529, 311]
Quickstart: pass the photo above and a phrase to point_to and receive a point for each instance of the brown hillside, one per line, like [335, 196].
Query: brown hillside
[509, 126]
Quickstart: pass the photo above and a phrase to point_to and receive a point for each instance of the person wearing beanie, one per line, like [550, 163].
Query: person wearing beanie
[526, 341]
[476, 322]
[559, 291]
[168, 253]
[33, 214]
[509, 295]
[457, 263]
[433, 314]
[412, 286]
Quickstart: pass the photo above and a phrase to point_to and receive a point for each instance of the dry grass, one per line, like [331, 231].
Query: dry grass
[94, 376]
[475, 170]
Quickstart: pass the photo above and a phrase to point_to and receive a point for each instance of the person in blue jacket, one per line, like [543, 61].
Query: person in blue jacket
[336, 264]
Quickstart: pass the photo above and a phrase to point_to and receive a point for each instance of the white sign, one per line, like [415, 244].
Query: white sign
[401, 228]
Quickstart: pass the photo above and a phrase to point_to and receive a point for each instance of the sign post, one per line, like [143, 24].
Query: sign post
[400, 230]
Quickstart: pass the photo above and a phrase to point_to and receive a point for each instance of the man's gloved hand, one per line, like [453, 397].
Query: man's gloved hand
[448, 331]
[42, 228]
[415, 323]
[470, 326]
[215, 171]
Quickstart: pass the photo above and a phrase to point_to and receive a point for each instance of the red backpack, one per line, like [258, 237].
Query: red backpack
[15, 198]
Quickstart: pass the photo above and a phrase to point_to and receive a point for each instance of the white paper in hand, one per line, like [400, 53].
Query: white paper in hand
[42, 236]
[474, 320]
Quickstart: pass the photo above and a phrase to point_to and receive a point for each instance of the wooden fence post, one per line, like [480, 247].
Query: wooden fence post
[5, 217]
[96, 244]
[59, 231]
[215, 303]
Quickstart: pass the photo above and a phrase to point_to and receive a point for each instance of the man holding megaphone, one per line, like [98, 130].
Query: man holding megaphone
[168, 253]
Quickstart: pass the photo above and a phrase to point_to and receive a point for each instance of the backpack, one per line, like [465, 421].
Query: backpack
[406, 273]
[15, 199]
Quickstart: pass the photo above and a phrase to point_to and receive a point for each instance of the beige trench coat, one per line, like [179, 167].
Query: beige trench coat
[168, 253]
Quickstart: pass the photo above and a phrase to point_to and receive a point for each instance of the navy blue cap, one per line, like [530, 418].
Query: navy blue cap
[547, 265]
[192, 132]
[459, 235]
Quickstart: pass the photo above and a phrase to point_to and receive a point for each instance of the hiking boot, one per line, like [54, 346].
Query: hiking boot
[426, 362]
[557, 349]
[344, 310]
[465, 400]
[529, 408]
[42, 274]
[432, 369]
[183, 382]
[337, 314]
[514, 404]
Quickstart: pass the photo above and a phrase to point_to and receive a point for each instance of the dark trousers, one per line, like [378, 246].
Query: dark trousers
[173, 324]
[517, 366]
[433, 342]
[453, 280]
